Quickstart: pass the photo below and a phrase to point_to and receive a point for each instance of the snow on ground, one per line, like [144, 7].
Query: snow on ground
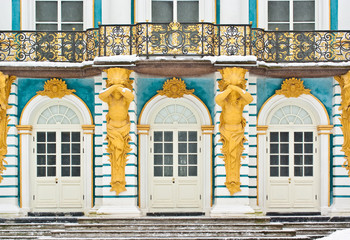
[338, 235]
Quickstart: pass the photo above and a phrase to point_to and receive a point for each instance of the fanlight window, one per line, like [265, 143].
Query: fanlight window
[58, 114]
[291, 114]
[175, 114]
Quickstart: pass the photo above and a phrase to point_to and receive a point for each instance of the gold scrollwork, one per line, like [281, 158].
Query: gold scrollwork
[292, 87]
[174, 88]
[5, 89]
[55, 88]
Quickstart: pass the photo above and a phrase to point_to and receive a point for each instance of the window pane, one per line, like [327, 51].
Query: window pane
[76, 148]
[298, 148]
[51, 171]
[192, 136]
[182, 136]
[41, 160]
[304, 11]
[182, 159]
[46, 27]
[168, 136]
[274, 160]
[281, 27]
[298, 171]
[69, 27]
[274, 171]
[51, 160]
[308, 148]
[182, 171]
[298, 137]
[65, 171]
[188, 11]
[278, 11]
[284, 160]
[308, 159]
[284, 137]
[304, 27]
[284, 172]
[158, 171]
[192, 159]
[298, 160]
[65, 148]
[168, 171]
[182, 148]
[41, 171]
[192, 147]
[158, 136]
[158, 160]
[51, 148]
[76, 160]
[65, 160]
[51, 137]
[41, 148]
[75, 136]
[308, 171]
[162, 11]
[274, 137]
[72, 11]
[41, 137]
[192, 171]
[65, 136]
[308, 137]
[168, 147]
[158, 147]
[46, 11]
[168, 160]
[274, 148]
[284, 148]
[76, 171]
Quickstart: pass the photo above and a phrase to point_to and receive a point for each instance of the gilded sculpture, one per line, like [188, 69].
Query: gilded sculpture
[118, 96]
[344, 82]
[55, 88]
[232, 100]
[174, 88]
[292, 87]
[5, 89]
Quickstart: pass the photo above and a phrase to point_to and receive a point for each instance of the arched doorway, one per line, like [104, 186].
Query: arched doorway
[293, 155]
[56, 155]
[175, 156]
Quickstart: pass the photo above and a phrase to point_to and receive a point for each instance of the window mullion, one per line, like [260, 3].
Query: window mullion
[175, 10]
[59, 15]
[291, 154]
[291, 19]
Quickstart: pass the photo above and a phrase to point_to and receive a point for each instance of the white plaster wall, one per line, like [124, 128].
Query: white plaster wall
[6, 15]
[116, 11]
[343, 15]
[234, 11]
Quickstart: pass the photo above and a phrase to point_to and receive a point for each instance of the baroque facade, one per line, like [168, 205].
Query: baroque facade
[135, 107]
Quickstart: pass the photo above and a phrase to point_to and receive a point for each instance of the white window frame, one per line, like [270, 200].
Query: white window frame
[322, 13]
[28, 20]
[144, 11]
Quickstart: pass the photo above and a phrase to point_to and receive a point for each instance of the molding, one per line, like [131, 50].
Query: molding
[24, 129]
[143, 129]
[175, 88]
[208, 129]
[55, 88]
[292, 87]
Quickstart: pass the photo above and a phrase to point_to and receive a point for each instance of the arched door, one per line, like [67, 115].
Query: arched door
[292, 161]
[175, 169]
[56, 163]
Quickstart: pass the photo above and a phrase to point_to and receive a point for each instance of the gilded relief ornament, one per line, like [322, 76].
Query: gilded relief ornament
[5, 89]
[344, 82]
[118, 96]
[55, 88]
[232, 100]
[175, 88]
[292, 87]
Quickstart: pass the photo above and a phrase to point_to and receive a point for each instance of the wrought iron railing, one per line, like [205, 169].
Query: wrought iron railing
[175, 39]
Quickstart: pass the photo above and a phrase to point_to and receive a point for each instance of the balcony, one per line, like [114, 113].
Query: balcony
[149, 40]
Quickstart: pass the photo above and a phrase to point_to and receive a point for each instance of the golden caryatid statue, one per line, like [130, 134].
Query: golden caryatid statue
[232, 100]
[118, 96]
[5, 89]
[344, 82]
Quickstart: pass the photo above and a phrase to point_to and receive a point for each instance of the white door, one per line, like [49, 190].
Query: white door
[175, 170]
[57, 171]
[293, 175]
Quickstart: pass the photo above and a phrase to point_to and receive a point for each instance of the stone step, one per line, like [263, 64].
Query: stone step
[316, 231]
[317, 224]
[34, 226]
[27, 232]
[182, 238]
[171, 220]
[173, 233]
[167, 226]
[40, 220]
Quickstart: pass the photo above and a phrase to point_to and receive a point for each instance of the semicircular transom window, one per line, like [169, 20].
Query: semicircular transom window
[175, 113]
[291, 114]
[58, 114]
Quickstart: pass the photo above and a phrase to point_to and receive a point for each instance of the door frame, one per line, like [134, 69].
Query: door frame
[145, 120]
[27, 120]
[321, 121]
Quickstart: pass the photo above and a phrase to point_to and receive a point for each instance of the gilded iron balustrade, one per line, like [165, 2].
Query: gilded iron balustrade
[175, 39]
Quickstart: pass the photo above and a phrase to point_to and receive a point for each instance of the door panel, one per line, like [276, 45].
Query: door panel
[57, 180]
[175, 182]
[292, 172]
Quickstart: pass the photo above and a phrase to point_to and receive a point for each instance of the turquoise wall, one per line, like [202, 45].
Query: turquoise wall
[27, 88]
[321, 88]
[148, 87]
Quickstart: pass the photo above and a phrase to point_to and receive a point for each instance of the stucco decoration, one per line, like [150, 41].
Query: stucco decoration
[55, 88]
[174, 88]
[344, 82]
[232, 100]
[5, 89]
[292, 87]
[118, 96]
